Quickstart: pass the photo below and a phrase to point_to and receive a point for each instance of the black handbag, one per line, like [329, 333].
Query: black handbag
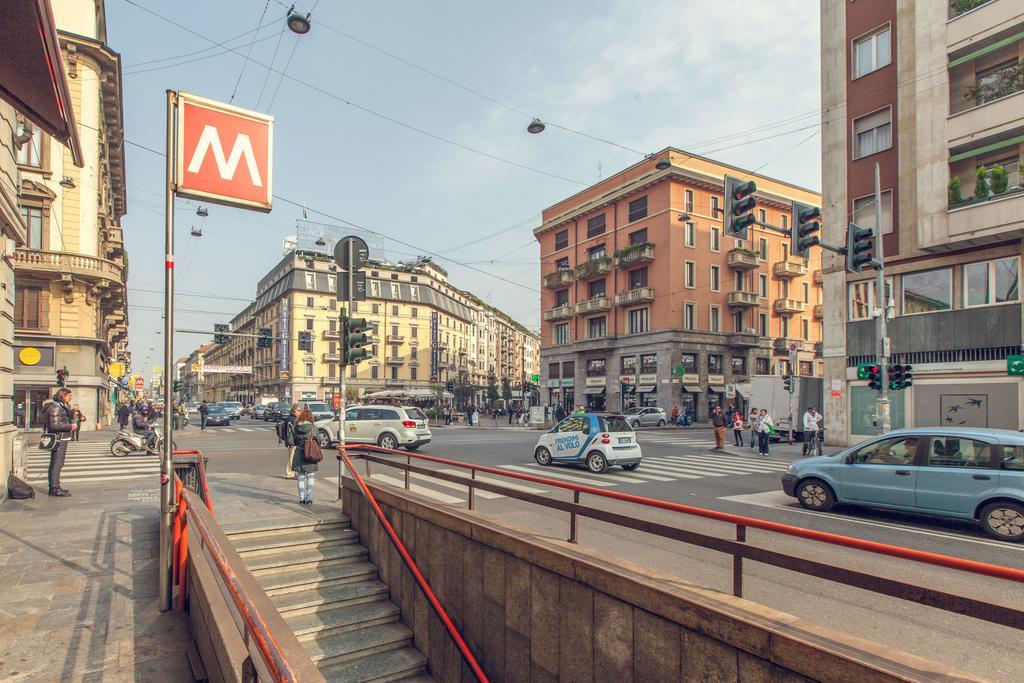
[47, 441]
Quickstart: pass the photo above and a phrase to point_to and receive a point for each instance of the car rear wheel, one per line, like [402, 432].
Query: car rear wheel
[323, 438]
[814, 494]
[542, 456]
[661, 423]
[636, 424]
[596, 462]
[630, 467]
[1004, 520]
[387, 441]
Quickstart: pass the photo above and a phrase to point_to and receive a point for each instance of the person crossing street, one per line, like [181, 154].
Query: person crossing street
[812, 429]
[204, 410]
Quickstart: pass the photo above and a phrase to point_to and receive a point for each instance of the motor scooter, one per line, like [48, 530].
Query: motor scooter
[129, 443]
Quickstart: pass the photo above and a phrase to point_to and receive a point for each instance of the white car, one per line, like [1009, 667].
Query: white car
[595, 440]
[390, 427]
[233, 408]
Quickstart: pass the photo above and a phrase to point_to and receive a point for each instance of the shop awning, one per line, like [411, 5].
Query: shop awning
[32, 74]
[593, 391]
[692, 389]
[716, 389]
[645, 388]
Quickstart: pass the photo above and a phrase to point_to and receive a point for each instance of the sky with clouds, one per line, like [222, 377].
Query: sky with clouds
[408, 118]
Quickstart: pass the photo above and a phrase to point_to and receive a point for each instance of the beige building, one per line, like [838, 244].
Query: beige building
[933, 93]
[426, 332]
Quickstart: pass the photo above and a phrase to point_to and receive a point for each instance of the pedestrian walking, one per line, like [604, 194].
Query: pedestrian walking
[718, 423]
[753, 427]
[57, 420]
[77, 418]
[812, 424]
[300, 431]
[124, 416]
[675, 415]
[284, 430]
[737, 428]
[765, 429]
[204, 410]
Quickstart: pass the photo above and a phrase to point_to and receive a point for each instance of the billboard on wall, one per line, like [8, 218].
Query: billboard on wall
[435, 353]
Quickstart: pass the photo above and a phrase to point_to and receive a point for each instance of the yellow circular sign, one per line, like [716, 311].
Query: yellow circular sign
[115, 369]
[29, 356]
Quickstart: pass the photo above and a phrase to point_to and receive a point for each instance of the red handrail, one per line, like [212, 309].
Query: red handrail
[414, 568]
[202, 474]
[922, 556]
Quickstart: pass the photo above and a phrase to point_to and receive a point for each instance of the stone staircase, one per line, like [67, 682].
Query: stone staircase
[319, 577]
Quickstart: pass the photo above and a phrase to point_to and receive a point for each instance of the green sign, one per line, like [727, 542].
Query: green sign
[535, 378]
[679, 370]
[1015, 366]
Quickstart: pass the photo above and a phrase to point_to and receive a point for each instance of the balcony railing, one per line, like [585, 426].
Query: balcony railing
[395, 339]
[596, 304]
[958, 7]
[741, 298]
[332, 358]
[413, 341]
[332, 334]
[790, 268]
[634, 296]
[742, 259]
[819, 277]
[559, 278]
[594, 268]
[559, 312]
[819, 312]
[395, 360]
[743, 339]
[72, 264]
[789, 306]
[414, 363]
[635, 253]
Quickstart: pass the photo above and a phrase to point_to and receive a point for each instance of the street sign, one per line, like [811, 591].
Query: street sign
[1015, 365]
[140, 383]
[29, 356]
[360, 252]
[224, 153]
[535, 378]
[115, 369]
[358, 290]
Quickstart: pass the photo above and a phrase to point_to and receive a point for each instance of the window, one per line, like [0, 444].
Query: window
[27, 308]
[332, 325]
[762, 249]
[394, 372]
[562, 264]
[33, 217]
[596, 289]
[412, 373]
[927, 291]
[628, 365]
[864, 211]
[739, 365]
[716, 239]
[597, 327]
[375, 309]
[805, 329]
[762, 286]
[785, 221]
[638, 209]
[30, 153]
[595, 253]
[688, 203]
[690, 274]
[639, 320]
[862, 300]
[737, 321]
[872, 133]
[309, 302]
[309, 369]
[573, 423]
[414, 292]
[871, 53]
[595, 226]
[991, 282]
[716, 278]
[394, 310]
[332, 348]
[783, 289]
[309, 323]
[762, 324]
[414, 331]
[689, 316]
[715, 319]
[648, 363]
[689, 363]
[785, 327]
[888, 452]
[715, 364]
[807, 293]
[806, 368]
[394, 351]
[552, 370]
[1013, 458]
[332, 370]
[762, 365]
[638, 278]
[596, 367]
[638, 236]
[762, 215]
[562, 239]
[690, 235]
[715, 208]
[738, 280]
[996, 81]
[955, 452]
[562, 333]
[561, 297]
[334, 305]
[374, 372]
[414, 312]
[310, 281]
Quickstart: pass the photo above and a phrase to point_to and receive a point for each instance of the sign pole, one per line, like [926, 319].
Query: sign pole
[883, 418]
[166, 465]
[349, 275]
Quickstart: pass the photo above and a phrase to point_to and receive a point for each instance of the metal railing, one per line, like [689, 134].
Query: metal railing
[738, 548]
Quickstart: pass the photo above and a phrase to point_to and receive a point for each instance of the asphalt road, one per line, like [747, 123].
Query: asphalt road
[680, 467]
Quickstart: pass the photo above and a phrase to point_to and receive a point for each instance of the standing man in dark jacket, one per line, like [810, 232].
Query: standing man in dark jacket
[124, 416]
[204, 410]
[718, 422]
[57, 420]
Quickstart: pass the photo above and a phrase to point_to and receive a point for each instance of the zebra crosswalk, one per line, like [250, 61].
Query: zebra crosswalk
[92, 462]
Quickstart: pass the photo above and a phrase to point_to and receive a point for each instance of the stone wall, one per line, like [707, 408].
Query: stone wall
[533, 608]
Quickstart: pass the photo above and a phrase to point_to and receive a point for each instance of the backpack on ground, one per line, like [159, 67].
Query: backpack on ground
[311, 452]
[19, 490]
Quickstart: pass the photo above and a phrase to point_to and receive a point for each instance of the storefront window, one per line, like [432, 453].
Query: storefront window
[862, 410]
[739, 366]
[596, 367]
[629, 365]
[762, 366]
[649, 363]
[714, 364]
[689, 363]
[927, 291]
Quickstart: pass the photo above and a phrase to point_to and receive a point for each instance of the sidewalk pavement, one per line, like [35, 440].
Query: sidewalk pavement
[79, 596]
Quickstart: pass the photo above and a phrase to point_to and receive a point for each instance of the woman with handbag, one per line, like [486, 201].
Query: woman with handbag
[300, 433]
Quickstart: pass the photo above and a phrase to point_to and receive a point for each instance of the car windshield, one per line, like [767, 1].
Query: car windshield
[614, 423]
[415, 413]
[230, 404]
[215, 410]
[317, 407]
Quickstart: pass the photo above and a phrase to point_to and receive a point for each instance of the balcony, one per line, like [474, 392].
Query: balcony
[414, 363]
[88, 267]
[395, 339]
[743, 299]
[393, 382]
[441, 344]
[635, 253]
[819, 312]
[594, 268]
[559, 278]
[395, 360]
[781, 344]
[742, 259]
[988, 214]
[635, 296]
[559, 312]
[790, 268]
[414, 341]
[743, 339]
[600, 303]
[331, 334]
[114, 242]
[789, 306]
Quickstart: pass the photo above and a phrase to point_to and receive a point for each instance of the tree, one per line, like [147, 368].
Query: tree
[981, 184]
[954, 191]
[492, 389]
[506, 389]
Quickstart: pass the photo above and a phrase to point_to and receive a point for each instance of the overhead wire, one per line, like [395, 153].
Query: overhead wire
[248, 54]
[135, 72]
[196, 52]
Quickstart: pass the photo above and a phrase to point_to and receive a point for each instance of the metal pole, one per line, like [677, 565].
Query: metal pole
[166, 467]
[343, 367]
[883, 422]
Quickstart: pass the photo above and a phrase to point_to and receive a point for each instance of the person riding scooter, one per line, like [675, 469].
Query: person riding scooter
[142, 425]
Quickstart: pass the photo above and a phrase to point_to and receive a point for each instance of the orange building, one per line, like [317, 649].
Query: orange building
[646, 302]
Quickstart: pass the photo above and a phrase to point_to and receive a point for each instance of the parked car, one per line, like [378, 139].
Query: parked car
[594, 440]
[233, 408]
[647, 417]
[320, 410]
[258, 411]
[975, 474]
[217, 416]
[277, 411]
[389, 427]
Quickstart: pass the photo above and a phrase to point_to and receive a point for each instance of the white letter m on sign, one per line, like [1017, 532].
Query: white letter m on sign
[210, 140]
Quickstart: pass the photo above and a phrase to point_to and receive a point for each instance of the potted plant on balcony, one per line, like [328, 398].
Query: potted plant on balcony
[631, 249]
[1000, 179]
[961, 6]
[981, 183]
[954, 191]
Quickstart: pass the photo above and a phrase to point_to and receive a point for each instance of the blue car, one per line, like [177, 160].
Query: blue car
[594, 440]
[975, 474]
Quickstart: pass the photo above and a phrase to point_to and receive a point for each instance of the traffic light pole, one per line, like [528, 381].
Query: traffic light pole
[166, 464]
[883, 418]
[343, 366]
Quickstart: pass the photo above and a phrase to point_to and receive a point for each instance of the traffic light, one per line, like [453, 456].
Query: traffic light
[739, 206]
[354, 340]
[264, 341]
[62, 377]
[873, 374]
[305, 341]
[900, 376]
[802, 229]
[218, 333]
[860, 247]
[787, 383]
[450, 385]
[176, 386]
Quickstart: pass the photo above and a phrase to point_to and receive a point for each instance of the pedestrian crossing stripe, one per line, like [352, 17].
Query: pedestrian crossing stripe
[92, 462]
[740, 462]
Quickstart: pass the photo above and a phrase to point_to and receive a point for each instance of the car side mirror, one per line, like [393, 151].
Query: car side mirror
[848, 459]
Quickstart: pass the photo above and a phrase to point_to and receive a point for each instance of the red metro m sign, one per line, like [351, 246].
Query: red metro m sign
[224, 153]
